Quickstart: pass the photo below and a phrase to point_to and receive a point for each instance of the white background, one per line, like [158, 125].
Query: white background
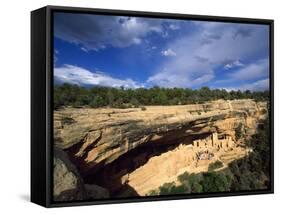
[15, 105]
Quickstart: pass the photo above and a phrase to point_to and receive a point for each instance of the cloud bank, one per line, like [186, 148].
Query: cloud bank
[80, 76]
[95, 32]
[239, 50]
[188, 54]
[168, 52]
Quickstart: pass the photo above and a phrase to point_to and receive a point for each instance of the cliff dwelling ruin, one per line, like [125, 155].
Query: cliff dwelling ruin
[151, 165]
[132, 152]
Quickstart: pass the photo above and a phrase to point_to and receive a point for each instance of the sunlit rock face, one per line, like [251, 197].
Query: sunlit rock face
[141, 149]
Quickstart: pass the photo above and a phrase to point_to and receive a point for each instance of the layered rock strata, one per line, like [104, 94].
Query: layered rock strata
[114, 143]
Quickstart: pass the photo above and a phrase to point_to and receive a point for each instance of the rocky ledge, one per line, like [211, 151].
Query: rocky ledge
[114, 139]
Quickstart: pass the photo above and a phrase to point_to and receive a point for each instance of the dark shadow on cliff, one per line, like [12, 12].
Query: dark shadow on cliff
[112, 176]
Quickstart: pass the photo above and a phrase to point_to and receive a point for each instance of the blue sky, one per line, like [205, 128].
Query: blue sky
[137, 52]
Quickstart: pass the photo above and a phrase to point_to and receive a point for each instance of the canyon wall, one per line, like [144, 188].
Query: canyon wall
[114, 139]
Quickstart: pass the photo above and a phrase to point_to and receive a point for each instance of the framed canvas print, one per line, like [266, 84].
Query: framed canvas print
[141, 106]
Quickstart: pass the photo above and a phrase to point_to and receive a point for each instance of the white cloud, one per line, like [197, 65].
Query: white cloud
[252, 71]
[85, 49]
[193, 58]
[259, 85]
[202, 79]
[185, 78]
[233, 64]
[168, 52]
[174, 27]
[80, 76]
[209, 47]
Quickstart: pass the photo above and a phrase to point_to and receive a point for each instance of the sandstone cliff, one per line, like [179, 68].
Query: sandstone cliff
[105, 134]
[68, 183]
[121, 140]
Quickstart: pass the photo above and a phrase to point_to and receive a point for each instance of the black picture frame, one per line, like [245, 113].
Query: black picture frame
[42, 107]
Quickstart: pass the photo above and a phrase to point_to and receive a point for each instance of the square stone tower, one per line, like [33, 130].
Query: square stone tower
[214, 139]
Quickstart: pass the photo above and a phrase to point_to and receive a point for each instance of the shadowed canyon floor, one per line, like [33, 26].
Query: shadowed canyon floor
[132, 151]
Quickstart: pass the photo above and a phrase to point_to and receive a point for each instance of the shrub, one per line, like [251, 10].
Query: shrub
[215, 182]
[152, 193]
[183, 178]
[215, 165]
[74, 95]
[67, 120]
[181, 189]
[143, 108]
[134, 102]
[165, 189]
[196, 188]
[239, 131]
[97, 102]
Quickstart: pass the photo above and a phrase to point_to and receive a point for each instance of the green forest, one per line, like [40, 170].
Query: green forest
[96, 97]
[249, 173]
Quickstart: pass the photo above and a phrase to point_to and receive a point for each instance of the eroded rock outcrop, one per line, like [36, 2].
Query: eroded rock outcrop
[103, 135]
[68, 183]
[128, 152]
